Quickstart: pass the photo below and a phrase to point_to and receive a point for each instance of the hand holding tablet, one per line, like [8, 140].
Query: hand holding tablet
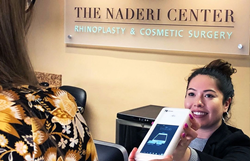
[164, 135]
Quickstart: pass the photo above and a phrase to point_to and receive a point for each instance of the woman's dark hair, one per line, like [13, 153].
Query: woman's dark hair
[221, 71]
[15, 65]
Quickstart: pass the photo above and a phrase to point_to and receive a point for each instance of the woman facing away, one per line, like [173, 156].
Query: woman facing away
[209, 96]
[36, 124]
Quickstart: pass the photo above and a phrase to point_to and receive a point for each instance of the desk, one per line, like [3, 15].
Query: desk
[130, 131]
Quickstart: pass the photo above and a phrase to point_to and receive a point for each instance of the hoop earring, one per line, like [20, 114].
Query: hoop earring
[224, 116]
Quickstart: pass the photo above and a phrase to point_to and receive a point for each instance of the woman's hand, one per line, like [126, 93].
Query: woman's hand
[182, 152]
[132, 157]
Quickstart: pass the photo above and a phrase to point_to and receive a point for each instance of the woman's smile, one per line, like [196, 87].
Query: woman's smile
[205, 101]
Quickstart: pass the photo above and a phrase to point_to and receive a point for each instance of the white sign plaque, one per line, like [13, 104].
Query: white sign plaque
[208, 26]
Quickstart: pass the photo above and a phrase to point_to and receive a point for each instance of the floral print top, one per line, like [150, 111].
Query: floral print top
[42, 125]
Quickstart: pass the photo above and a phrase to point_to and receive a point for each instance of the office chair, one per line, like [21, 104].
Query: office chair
[106, 151]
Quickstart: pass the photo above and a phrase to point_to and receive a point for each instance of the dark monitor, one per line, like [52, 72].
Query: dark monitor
[132, 125]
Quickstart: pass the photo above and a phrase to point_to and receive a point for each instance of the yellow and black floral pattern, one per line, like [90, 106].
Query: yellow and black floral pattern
[42, 125]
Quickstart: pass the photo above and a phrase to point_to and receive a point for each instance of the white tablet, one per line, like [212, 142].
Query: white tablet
[164, 135]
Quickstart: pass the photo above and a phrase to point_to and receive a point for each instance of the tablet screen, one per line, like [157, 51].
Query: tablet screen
[159, 139]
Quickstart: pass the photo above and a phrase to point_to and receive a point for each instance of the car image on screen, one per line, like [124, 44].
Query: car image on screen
[159, 139]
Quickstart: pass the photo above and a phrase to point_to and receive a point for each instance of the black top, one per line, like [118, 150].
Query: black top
[226, 144]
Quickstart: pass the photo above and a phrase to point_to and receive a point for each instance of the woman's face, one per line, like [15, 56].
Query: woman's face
[205, 101]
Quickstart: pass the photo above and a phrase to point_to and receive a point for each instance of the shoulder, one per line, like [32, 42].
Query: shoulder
[229, 133]
[52, 100]
[232, 132]
[227, 138]
[234, 129]
[225, 143]
[236, 136]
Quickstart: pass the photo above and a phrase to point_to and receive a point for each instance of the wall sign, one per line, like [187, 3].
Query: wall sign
[208, 26]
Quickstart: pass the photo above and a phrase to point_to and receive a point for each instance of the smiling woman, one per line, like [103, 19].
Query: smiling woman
[220, 72]
[209, 95]
[206, 102]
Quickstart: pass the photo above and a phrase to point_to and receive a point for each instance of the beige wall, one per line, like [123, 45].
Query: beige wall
[120, 80]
